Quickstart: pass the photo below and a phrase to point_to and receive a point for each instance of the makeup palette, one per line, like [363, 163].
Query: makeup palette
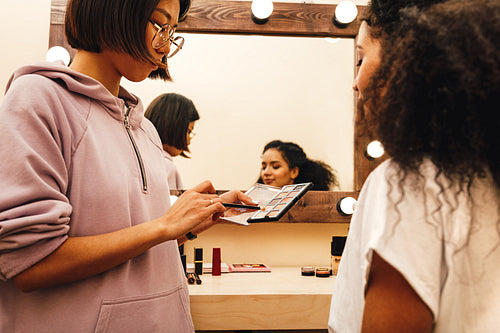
[280, 203]
[275, 202]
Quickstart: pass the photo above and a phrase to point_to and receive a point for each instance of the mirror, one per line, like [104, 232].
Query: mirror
[232, 20]
[289, 88]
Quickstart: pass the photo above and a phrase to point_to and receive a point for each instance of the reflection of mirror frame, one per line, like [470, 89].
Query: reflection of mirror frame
[234, 17]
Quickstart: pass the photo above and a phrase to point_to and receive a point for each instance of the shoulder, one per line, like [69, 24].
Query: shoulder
[31, 87]
[40, 104]
[380, 176]
[38, 92]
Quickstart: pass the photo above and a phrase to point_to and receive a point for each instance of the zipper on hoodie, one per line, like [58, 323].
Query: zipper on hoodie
[136, 149]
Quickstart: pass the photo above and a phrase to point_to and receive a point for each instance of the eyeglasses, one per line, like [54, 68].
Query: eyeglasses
[165, 35]
[191, 134]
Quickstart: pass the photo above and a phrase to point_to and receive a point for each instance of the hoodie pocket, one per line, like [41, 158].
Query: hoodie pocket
[160, 312]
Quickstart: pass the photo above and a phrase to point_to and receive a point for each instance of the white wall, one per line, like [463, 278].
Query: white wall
[24, 36]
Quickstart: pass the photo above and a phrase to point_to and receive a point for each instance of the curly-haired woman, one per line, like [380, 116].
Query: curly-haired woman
[286, 163]
[424, 243]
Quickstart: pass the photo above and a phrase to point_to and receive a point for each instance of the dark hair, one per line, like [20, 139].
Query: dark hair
[440, 75]
[93, 25]
[171, 114]
[319, 173]
[384, 16]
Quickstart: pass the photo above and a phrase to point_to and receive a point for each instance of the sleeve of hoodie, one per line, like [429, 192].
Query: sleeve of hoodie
[35, 154]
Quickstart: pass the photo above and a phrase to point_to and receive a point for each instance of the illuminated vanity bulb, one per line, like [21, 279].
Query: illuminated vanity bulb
[374, 150]
[346, 206]
[261, 10]
[332, 40]
[56, 53]
[345, 13]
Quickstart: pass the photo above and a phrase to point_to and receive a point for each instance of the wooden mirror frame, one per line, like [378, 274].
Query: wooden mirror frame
[287, 19]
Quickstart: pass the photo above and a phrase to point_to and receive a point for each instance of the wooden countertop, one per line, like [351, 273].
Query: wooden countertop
[282, 299]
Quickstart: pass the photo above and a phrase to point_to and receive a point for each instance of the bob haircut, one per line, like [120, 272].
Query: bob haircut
[171, 114]
[93, 25]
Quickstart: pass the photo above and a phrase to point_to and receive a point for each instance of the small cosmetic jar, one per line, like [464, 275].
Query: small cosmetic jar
[307, 271]
[322, 272]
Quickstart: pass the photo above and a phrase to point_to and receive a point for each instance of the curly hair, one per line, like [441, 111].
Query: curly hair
[433, 94]
[384, 16]
[318, 172]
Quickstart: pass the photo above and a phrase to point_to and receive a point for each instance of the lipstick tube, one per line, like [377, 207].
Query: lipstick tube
[198, 260]
[216, 269]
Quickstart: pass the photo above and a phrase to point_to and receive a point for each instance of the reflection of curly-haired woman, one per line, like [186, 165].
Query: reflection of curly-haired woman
[424, 243]
[286, 163]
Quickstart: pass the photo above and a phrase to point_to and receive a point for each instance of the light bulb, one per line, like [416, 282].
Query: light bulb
[374, 150]
[261, 10]
[345, 13]
[346, 206]
[56, 53]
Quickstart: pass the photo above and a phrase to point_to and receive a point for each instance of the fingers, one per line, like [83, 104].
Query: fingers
[204, 187]
[215, 204]
[236, 196]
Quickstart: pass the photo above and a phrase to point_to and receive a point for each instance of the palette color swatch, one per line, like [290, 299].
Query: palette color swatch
[275, 208]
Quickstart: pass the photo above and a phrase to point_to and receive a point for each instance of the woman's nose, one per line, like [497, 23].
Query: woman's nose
[355, 84]
[165, 49]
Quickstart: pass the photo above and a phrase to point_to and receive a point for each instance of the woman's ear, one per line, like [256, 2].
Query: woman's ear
[294, 173]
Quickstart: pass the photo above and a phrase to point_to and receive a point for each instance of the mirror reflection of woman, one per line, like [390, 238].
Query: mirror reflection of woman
[174, 117]
[286, 163]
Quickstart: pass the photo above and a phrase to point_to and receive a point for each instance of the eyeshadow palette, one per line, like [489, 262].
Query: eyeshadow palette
[275, 202]
[280, 203]
[246, 268]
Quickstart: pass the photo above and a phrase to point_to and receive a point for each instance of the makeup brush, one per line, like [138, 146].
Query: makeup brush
[233, 205]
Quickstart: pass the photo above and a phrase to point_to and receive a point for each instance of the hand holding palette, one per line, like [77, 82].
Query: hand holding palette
[275, 202]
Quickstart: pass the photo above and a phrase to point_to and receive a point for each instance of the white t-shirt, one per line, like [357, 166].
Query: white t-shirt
[452, 265]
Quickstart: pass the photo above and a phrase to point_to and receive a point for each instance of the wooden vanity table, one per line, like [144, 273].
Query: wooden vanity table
[282, 299]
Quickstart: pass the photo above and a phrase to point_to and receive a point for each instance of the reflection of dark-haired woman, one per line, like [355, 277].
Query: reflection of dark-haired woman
[174, 117]
[286, 163]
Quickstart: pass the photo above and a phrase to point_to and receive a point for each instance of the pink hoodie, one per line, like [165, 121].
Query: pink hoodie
[70, 167]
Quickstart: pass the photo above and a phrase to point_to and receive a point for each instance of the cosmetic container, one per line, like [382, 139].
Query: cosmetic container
[198, 260]
[337, 247]
[216, 271]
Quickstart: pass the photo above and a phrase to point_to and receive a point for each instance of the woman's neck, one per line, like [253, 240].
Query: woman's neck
[97, 66]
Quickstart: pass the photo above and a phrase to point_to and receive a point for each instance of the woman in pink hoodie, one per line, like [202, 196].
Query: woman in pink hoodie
[88, 240]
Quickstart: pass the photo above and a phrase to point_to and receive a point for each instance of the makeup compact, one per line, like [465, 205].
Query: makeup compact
[273, 202]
